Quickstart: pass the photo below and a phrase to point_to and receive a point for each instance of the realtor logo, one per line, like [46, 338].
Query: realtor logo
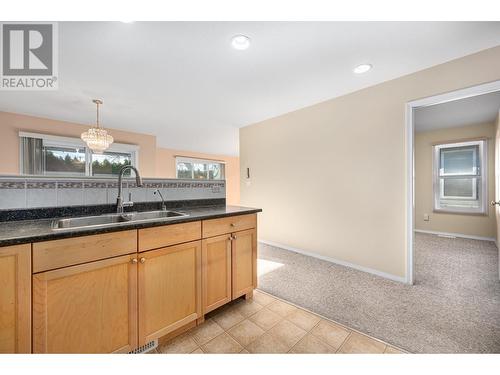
[28, 56]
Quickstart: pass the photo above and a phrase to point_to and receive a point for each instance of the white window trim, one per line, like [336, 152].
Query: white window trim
[185, 159]
[56, 140]
[438, 186]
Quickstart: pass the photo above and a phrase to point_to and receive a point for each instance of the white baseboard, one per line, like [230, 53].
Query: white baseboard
[337, 261]
[460, 235]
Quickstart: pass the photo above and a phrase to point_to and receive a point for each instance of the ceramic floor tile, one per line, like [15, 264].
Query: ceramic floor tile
[357, 343]
[303, 319]
[245, 332]
[182, 344]
[244, 351]
[205, 332]
[247, 307]
[287, 332]
[228, 318]
[281, 308]
[267, 344]
[262, 298]
[198, 351]
[222, 344]
[265, 319]
[310, 344]
[331, 333]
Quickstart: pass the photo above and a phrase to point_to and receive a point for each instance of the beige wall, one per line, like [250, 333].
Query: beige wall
[165, 167]
[474, 225]
[331, 177]
[153, 161]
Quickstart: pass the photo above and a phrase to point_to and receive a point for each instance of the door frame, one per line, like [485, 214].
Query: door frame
[411, 106]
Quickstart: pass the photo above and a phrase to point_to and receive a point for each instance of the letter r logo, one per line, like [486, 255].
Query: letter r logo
[27, 49]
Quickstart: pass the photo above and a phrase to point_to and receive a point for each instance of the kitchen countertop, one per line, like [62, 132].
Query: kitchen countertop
[26, 231]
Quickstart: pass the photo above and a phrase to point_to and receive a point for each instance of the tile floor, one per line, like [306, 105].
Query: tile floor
[266, 324]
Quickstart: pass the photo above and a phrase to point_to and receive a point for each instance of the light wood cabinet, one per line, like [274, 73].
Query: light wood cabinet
[113, 292]
[216, 272]
[88, 308]
[229, 260]
[216, 227]
[49, 255]
[244, 262]
[15, 299]
[169, 285]
[168, 235]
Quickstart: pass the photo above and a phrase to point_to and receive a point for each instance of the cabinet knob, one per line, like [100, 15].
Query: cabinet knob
[142, 260]
[133, 261]
[234, 237]
[233, 224]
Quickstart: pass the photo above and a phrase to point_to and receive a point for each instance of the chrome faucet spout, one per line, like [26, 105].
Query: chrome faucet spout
[163, 205]
[119, 199]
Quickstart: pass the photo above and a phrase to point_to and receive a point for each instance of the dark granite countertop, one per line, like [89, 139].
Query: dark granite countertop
[26, 231]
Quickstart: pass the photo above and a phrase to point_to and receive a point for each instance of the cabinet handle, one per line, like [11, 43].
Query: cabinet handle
[143, 260]
[133, 261]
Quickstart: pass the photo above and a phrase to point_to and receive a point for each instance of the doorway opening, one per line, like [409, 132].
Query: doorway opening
[453, 163]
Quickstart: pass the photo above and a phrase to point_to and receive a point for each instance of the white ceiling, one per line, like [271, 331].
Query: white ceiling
[474, 110]
[182, 81]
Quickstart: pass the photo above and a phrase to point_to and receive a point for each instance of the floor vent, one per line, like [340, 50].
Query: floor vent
[446, 236]
[145, 348]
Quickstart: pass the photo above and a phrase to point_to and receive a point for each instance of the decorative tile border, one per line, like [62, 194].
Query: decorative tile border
[69, 185]
[12, 184]
[32, 192]
[40, 184]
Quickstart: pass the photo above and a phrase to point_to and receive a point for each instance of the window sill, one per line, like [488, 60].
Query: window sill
[456, 212]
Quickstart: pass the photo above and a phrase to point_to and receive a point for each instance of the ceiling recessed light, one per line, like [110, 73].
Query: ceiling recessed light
[240, 42]
[363, 68]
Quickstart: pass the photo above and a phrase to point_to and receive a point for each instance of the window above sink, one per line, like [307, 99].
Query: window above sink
[49, 155]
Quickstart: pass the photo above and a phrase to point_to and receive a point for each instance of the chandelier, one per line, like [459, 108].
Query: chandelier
[96, 137]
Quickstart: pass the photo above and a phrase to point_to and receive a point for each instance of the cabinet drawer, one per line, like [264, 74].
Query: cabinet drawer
[49, 255]
[216, 227]
[168, 235]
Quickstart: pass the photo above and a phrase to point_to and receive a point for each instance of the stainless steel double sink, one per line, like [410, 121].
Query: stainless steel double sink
[114, 219]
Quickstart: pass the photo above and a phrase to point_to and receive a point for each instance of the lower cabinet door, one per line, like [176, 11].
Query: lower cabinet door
[169, 289]
[15, 299]
[244, 262]
[216, 272]
[89, 308]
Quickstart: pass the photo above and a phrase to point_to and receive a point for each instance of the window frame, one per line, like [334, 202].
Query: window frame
[481, 174]
[192, 161]
[61, 141]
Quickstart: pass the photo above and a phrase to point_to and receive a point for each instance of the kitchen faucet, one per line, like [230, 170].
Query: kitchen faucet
[119, 200]
[163, 205]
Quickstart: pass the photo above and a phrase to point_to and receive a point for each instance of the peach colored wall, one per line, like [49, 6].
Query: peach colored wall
[153, 161]
[12, 123]
[165, 167]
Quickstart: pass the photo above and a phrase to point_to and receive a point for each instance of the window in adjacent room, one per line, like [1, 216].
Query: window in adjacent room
[460, 177]
[199, 168]
[43, 154]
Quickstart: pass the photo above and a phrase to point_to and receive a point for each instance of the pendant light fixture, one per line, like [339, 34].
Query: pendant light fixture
[96, 137]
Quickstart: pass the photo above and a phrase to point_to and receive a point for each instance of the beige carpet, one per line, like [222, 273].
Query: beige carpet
[454, 307]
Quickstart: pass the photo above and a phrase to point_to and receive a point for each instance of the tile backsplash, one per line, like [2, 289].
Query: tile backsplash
[21, 192]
